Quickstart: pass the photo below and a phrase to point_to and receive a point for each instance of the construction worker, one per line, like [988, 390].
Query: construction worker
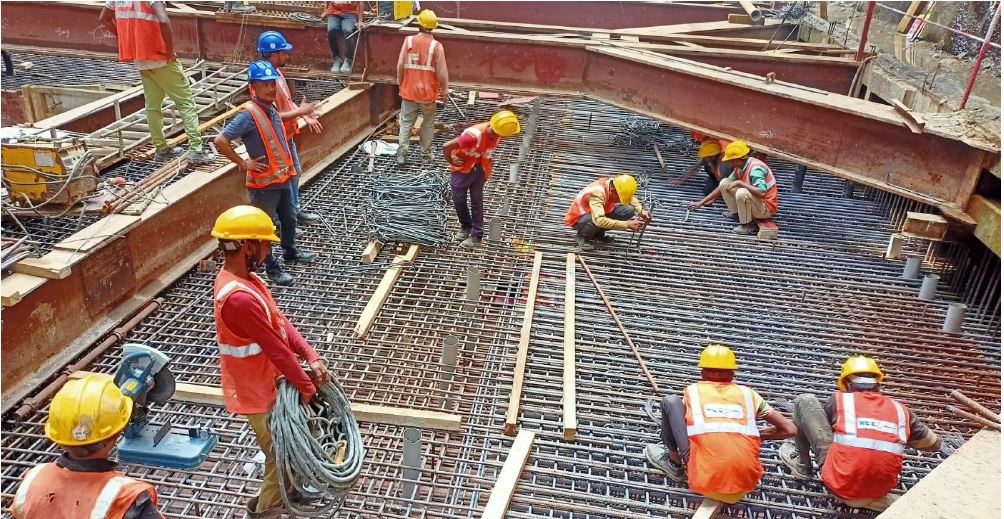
[750, 191]
[709, 158]
[606, 204]
[144, 37]
[257, 342]
[86, 418]
[423, 78]
[274, 49]
[858, 437]
[269, 168]
[712, 431]
[470, 160]
[342, 19]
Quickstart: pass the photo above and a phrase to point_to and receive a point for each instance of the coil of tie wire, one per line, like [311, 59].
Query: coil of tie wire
[318, 449]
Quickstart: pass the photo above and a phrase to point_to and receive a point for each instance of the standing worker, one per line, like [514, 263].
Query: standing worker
[257, 342]
[86, 418]
[144, 37]
[342, 19]
[712, 432]
[750, 192]
[709, 158]
[274, 48]
[470, 160]
[423, 78]
[269, 168]
[606, 204]
[858, 437]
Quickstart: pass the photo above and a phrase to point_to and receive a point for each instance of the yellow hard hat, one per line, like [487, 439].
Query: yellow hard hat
[717, 356]
[505, 124]
[427, 19]
[87, 411]
[626, 186]
[736, 150]
[244, 222]
[856, 365]
[709, 148]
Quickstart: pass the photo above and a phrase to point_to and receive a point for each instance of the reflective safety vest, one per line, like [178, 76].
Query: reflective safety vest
[284, 103]
[724, 439]
[869, 437]
[138, 30]
[248, 377]
[744, 175]
[419, 82]
[51, 491]
[580, 206]
[480, 153]
[280, 163]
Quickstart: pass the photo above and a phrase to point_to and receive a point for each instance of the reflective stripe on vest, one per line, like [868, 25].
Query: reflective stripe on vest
[427, 66]
[247, 350]
[22, 490]
[481, 152]
[138, 32]
[107, 496]
[700, 426]
[850, 435]
[279, 159]
[123, 12]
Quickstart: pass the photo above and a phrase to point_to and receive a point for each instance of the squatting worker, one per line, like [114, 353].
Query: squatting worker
[858, 437]
[710, 435]
[269, 168]
[470, 160]
[709, 158]
[423, 78]
[342, 19]
[86, 418]
[257, 342]
[144, 36]
[750, 192]
[606, 204]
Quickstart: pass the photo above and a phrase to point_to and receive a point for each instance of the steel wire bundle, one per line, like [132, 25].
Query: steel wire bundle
[408, 209]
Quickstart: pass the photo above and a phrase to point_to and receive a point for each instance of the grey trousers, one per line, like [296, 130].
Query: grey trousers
[587, 229]
[409, 114]
[815, 433]
[674, 426]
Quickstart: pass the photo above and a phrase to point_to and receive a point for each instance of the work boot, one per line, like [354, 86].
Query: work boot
[788, 454]
[427, 158]
[875, 505]
[201, 157]
[584, 244]
[299, 256]
[307, 217]
[336, 65]
[745, 229]
[463, 234]
[730, 215]
[471, 242]
[271, 513]
[283, 279]
[658, 457]
[402, 157]
[346, 68]
[167, 154]
[603, 238]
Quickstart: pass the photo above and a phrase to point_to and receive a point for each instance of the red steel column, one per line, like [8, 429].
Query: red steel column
[864, 32]
[979, 58]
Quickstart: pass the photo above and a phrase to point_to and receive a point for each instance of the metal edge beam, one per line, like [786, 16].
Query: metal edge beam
[601, 15]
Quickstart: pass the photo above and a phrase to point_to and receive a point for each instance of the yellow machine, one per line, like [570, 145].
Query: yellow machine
[56, 173]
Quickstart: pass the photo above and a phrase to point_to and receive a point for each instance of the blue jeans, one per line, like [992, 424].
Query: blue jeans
[277, 203]
[344, 24]
[294, 185]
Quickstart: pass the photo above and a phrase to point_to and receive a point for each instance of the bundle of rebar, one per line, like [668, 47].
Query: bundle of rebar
[408, 209]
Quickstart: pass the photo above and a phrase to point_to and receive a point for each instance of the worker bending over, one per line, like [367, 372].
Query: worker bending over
[423, 78]
[86, 418]
[709, 158]
[269, 167]
[470, 160]
[712, 431]
[606, 204]
[257, 342]
[750, 192]
[858, 437]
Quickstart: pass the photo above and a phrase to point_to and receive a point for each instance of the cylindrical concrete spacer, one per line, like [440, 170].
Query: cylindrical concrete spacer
[796, 186]
[495, 229]
[514, 172]
[411, 461]
[473, 283]
[912, 268]
[929, 286]
[448, 361]
[954, 317]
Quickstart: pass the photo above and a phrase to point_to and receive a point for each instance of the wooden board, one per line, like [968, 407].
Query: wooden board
[15, 286]
[569, 422]
[382, 291]
[512, 414]
[914, 121]
[107, 228]
[709, 508]
[57, 264]
[768, 229]
[508, 478]
[925, 225]
[740, 18]
[371, 251]
[470, 97]
[907, 20]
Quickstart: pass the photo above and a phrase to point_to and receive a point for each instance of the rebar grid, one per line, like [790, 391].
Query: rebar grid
[51, 70]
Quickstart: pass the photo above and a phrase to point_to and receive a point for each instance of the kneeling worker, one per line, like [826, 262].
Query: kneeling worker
[712, 431]
[86, 418]
[750, 191]
[858, 437]
[607, 204]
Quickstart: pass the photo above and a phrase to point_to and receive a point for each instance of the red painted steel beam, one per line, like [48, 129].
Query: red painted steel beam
[601, 15]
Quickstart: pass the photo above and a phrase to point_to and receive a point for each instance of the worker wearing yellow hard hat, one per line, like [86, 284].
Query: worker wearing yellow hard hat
[710, 435]
[86, 418]
[857, 438]
[709, 158]
[606, 204]
[470, 160]
[422, 78]
[750, 191]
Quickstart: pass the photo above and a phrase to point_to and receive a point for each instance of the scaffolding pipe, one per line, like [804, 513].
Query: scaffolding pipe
[411, 461]
[929, 286]
[864, 32]
[953, 318]
[979, 58]
[912, 268]
[756, 16]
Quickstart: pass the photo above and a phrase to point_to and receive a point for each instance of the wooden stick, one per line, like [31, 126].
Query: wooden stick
[508, 478]
[512, 414]
[658, 155]
[568, 369]
[975, 406]
[708, 510]
[382, 292]
[978, 419]
[610, 308]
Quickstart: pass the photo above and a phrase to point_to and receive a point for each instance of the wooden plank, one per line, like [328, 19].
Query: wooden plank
[470, 97]
[508, 478]
[658, 155]
[15, 286]
[57, 264]
[382, 291]
[914, 121]
[768, 229]
[708, 510]
[741, 19]
[907, 21]
[111, 226]
[925, 225]
[987, 213]
[371, 251]
[569, 420]
[412, 253]
[512, 414]
[823, 11]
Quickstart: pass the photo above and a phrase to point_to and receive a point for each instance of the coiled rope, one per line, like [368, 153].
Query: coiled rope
[317, 447]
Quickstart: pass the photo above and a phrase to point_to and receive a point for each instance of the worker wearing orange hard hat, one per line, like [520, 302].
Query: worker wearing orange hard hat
[709, 157]
[423, 78]
[710, 435]
[86, 418]
[858, 437]
[750, 192]
[606, 204]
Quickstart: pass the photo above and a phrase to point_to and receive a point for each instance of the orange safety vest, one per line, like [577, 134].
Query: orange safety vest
[280, 162]
[248, 377]
[482, 152]
[771, 197]
[724, 439]
[139, 34]
[869, 437]
[284, 103]
[419, 82]
[580, 206]
[52, 491]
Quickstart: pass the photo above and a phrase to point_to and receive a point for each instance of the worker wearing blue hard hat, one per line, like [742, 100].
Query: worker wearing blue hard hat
[269, 168]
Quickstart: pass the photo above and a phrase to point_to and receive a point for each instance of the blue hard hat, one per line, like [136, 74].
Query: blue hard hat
[272, 41]
[262, 70]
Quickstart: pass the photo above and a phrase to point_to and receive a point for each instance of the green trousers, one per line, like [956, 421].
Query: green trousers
[170, 80]
[268, 495]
